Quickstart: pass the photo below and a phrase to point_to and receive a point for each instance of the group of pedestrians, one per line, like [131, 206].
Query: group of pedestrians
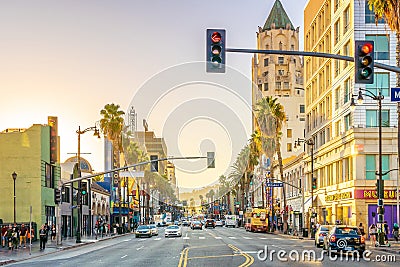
[15, 237]
[374, 231]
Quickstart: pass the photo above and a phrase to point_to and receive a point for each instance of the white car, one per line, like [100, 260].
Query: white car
[219, 223]
[173, 230]
[154, 229]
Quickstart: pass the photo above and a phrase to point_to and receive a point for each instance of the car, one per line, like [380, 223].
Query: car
[196, 225]
[219, 223]
[154, 229]
[185, 223]
[344, 238]
[173, 230]
[143, 230]
[320, 234]
[210, 223]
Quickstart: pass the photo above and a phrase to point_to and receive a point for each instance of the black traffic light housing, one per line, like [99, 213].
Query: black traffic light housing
[84, 189]
[364, 62]
[210, 160]
[215, 50]
[57, 196]
[380, 186]
[314, 183]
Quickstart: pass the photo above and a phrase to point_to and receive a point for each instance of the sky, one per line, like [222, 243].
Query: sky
[71, 58]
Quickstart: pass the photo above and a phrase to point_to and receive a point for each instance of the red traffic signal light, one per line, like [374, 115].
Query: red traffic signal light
[215, 51]
[364, 62]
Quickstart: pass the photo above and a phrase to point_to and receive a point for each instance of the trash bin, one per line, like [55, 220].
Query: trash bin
[305, 232]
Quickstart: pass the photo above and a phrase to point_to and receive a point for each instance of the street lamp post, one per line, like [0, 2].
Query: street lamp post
[79, 202]
[309, 142]
[380, 183]
[14, 176]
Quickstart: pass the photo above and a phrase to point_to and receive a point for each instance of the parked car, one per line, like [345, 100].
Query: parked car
[210, 223]
[143, 230]
[154, 229]
[196, 225]
[322, 231]
[344, 238]
[219, 223]
[173, 230]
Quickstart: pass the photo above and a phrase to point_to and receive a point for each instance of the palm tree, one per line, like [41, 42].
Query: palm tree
[201, 199]
[271, 113]
[112, 125]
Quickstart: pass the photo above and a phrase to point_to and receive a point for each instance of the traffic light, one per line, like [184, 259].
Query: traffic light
[154, 163]
[215, 51]
[364, 62]
[57, 196]
[314, 183]
[84, 188]
[380, 186]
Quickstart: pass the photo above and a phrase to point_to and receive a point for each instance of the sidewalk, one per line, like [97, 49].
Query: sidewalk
[9, 256]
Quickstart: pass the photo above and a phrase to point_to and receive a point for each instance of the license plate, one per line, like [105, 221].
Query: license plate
[349, 248]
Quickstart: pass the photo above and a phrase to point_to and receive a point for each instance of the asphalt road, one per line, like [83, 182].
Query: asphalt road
[207, 247]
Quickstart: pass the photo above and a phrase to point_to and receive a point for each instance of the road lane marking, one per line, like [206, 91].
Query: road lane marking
[249, 259]
[124, 256]
[263, 238]
[126, 240]
[218, 237]
[202, 237]
[245, 237]
[213, 256]
[186, 237]
[181, 259]
[158, 238]
[140, 248]
[232, 237]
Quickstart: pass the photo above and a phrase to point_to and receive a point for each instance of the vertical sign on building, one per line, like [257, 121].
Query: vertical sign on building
[53, 123]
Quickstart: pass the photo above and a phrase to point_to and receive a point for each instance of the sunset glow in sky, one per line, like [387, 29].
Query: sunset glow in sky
[70, 58]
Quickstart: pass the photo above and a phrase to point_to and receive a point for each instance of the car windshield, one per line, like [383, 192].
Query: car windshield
[173, 227]
[323, 229]
[347, 231]
[152, 226]
[141, 227]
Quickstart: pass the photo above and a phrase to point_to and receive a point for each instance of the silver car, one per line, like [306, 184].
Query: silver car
[322, 231]
[173, 230]
[154, 229]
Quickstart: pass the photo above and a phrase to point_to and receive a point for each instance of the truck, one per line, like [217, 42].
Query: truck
[256, 220]
[231, 221]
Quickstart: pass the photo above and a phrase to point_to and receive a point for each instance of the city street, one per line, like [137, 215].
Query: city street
[208, 247]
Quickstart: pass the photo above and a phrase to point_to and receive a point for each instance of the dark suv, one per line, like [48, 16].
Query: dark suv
[344, 238]
[210, 223]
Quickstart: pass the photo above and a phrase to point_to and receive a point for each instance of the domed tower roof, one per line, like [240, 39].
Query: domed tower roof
[278, 19]
[85, 165]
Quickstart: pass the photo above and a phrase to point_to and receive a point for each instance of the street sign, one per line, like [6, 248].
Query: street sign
[395, 94]
[274, 184]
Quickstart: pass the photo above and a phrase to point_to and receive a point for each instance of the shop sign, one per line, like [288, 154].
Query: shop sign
[338, 196]
[371, 194]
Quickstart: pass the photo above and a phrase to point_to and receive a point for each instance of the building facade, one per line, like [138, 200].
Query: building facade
[346, 141]
[33, 154]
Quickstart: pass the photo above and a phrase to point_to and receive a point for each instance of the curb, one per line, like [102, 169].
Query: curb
[59, 249]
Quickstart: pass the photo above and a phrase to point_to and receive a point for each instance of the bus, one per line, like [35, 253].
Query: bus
[256, 220]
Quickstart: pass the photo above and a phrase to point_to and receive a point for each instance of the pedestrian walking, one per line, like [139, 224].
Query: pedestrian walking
[361, 228]
[22, 235]
[372, 234]
[53, 232]
[9, 235]
[395, 232]
[43, 237]
[386, 229]
[4, 235]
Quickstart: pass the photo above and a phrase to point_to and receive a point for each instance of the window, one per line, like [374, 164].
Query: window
[347, 93]
[50, 213]
[346, 51]
[280, 60]
[266, 61]
[336, 4]
[372, 118]
[337, 67]
[286, 85]
[381, 48]
[370, 15]
[381, 81]
[49, 176]
[281, 72]
[265, 86]
[347, 122]
[338, 130]
[292, 48]
[337, 99]
[346, 20]
[289, 133]
[302, 109]
[337, 32]
[278, 85]
[371, 164]
[289, 147]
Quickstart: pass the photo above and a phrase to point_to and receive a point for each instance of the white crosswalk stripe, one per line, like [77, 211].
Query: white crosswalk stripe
[218, 237]
[232, 237]
[245, 237]
[202, 237]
